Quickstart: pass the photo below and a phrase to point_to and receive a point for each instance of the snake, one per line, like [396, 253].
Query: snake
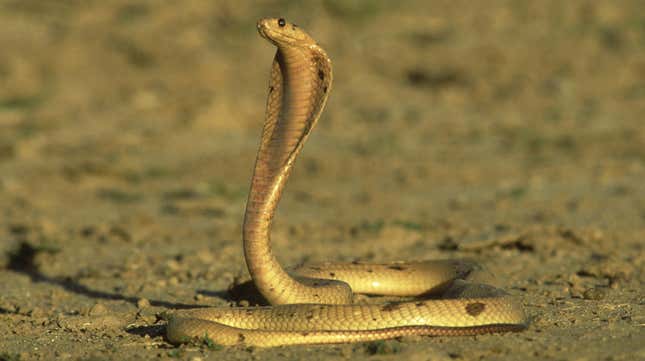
[318, 303]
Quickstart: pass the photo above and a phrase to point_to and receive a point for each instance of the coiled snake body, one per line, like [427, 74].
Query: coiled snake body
[313, 304]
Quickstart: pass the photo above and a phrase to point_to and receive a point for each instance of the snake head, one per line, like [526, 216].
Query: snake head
[283, 33]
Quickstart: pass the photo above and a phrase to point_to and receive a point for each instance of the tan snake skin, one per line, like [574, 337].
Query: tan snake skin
[313, 304]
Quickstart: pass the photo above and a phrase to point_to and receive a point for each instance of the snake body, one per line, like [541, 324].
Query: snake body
[312, 304]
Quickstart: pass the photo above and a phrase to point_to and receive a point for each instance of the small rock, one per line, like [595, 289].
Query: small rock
[98, 310]
[8, 307]
[143, 303]
[594, 294]
[62, 355]
[37, 312]
[173, 265]
[205, 256]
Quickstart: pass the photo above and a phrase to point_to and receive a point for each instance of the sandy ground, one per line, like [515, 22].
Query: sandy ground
[509, 132]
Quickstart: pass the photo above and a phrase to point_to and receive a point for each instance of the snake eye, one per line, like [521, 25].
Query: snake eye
[281, 22]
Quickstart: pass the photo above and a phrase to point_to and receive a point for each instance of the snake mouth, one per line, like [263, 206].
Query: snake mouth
[262, 28]
[266, 33]
[274, 36]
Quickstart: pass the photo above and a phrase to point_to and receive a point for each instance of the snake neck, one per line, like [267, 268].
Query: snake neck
[290, 115]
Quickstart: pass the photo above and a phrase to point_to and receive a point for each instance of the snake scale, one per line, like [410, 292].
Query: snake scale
[313, 304]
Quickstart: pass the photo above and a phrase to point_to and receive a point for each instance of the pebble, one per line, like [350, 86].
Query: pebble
[594, 294]
[143, 303]
[98, 310]
[205, 256]
[173, 265]
[37, 312]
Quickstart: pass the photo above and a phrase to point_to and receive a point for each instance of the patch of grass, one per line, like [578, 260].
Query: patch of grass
[436, 79]
[136, 177]
[206, 342]
[210, 344]
[134, 53]
[21, 102]
[356, 10]
[28, 129]
[381, 347]
[516, 192]
[176, 353]
[409, 225]
[47, 247]
[372, 226]
[553, 114]
[180, 193]
[7, 150]
[635, 91]
[611, 38]
[535, 143]
[119, 196]
[194, 193]
[8, 356]
[225, 190]
[132, 12]
[381, 144]
[565, 142]
[170, 209]
[157, 172]
[426, 38]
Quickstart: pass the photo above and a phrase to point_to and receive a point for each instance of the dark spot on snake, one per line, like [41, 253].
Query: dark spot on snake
[294, 26]
[419, 304]
[249, 312]
[304, 333]
[315, 268]
[390, 306]
[309, 315]
[292, 315]
[474, 309]
[271, 89]
[321, 74]
[241, 337]
[332, 274]
[316, 284]
[281, 22]
[369, 270]
[271, 289]
[396, 267]
[325, 89]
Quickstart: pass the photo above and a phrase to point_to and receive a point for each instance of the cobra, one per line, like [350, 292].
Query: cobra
[313, 304]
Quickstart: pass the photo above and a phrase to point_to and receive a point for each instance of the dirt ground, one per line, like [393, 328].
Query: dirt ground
[509, 132]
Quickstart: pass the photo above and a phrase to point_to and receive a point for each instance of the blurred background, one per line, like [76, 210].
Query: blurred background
[508, 131]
